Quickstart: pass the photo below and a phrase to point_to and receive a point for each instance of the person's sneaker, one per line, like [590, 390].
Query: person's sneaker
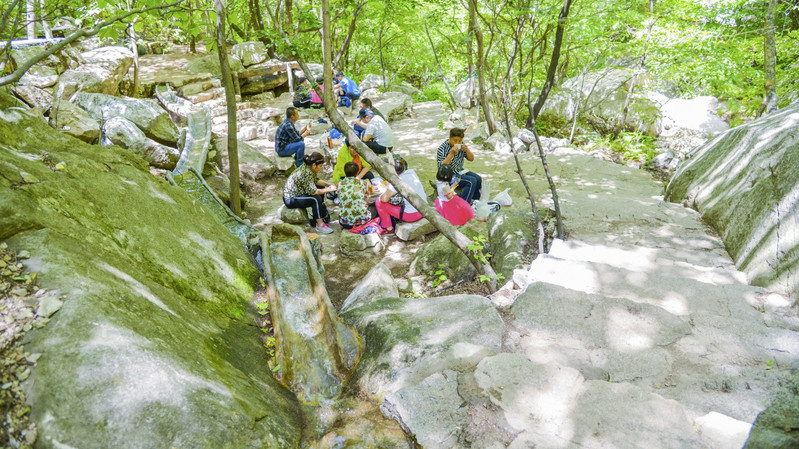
[384, 231]
[324, 229]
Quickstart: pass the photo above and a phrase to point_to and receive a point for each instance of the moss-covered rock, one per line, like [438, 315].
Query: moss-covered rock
[440, 251]
[154, 345]
[746, 186]
[509, 233]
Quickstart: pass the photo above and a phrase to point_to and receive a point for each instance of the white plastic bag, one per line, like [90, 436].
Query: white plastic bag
[503, 198]
[481, 210]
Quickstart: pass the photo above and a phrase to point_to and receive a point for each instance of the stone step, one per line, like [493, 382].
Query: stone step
[644, 258]
[681, 290]
[207, 95]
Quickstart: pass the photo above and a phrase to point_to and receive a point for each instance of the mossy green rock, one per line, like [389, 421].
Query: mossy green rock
[440, 251]
[746, 186]
[154, 345]
[510, 232]
[777, 426]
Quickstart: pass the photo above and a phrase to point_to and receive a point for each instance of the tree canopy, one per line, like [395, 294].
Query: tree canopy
[709, 47]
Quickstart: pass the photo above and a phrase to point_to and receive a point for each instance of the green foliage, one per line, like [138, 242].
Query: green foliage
[630, 146]
[438, 275]
[477, 246]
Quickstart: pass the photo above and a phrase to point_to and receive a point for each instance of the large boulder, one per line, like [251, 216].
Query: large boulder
[372, 81]
[147, 114]
[700, 114]
[123, 132]
[510, 234]
[746, 186]
[316, 351]
[33, 96]
[45, 72]
[395, 105]
[253, 165]
[462, 93]
[378, 283]
[154, 345]
[71, 119]
[416, 350]
[441, 252]
[210, 64]
[102, 72]
[250, 53]
[606, 91]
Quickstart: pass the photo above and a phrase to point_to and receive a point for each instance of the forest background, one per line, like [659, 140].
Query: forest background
[744, 52]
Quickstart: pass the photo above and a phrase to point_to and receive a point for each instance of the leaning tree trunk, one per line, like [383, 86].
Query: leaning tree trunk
[770, 61]
[553, 66]
[442, 225]
[230, 98]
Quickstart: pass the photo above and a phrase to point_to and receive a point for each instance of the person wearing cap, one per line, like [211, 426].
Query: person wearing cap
[346, 87]
[378, 135]
[359, 126]
[289, 141]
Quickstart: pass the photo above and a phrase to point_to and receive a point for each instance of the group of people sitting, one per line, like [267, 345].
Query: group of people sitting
[352, 176]
[345, 90]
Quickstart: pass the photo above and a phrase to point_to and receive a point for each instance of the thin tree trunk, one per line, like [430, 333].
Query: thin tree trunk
[440, 70]
[230, 98]
[470, 52]
[553, 65]
[478, 34]
[135, 49]
[346, 44]
[640, 66]
[551, 182]
[30, 18]
[43, 17]
[382, 62]
[770, 61]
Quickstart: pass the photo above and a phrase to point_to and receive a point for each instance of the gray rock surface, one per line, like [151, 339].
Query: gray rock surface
[371, 81]
[293, 216]
[101, 73]
[253, 165]
[147, 349]
[34, 96]
[699, 114]
[146, 114]
[432, 410]
[210, 64]
[395, 105]
[249, 53]
[742, 184]
[378, 283]
[413, 231]
[510, 233]
[124, 133]
[358, 245]
[73, 120]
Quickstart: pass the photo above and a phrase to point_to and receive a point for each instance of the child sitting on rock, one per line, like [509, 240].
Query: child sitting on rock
[454, 208]
[352, 194]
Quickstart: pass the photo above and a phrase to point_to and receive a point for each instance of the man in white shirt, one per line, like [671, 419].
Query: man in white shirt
[378, 135]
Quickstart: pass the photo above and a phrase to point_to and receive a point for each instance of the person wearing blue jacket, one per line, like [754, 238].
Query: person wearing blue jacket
[346, 88]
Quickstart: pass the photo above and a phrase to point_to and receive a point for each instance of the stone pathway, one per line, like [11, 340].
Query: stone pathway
[637, 331]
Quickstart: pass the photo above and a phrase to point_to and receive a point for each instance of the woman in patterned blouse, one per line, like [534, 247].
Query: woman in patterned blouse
[304, 189]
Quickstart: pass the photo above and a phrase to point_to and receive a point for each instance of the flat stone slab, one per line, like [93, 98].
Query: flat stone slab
[413, 231]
